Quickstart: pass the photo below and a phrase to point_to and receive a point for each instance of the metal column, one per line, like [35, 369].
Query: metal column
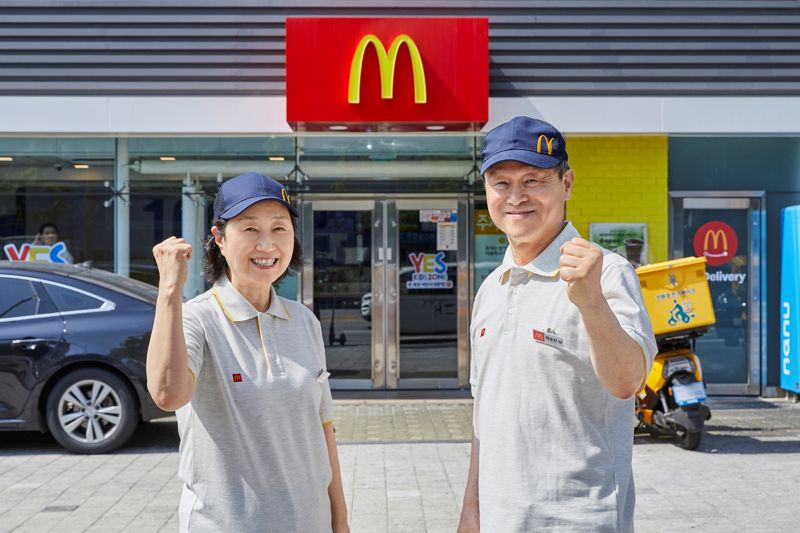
[464, 290]
[379, 297]
[192, 224]
[122, 210]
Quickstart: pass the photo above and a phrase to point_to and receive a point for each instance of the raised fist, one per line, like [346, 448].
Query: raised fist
[172, 256]
[581, 264]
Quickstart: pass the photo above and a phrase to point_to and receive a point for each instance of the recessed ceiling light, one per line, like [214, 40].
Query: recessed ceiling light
[80, 165]
[337, 127]
[277, 158]
[167, 158]
[434, 127]
[6, 158]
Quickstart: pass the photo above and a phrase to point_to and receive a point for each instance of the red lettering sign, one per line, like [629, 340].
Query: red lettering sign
[387, 73]
[17, 255]
[716, 241]
[538, 336]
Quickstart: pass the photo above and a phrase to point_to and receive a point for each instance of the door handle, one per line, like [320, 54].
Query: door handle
[30, 345]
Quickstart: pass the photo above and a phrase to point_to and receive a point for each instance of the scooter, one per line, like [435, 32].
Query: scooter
[678, 300]
[671, 402]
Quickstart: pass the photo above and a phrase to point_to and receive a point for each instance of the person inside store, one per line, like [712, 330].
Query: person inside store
[245, 371]
[48, 235]
[560, 342]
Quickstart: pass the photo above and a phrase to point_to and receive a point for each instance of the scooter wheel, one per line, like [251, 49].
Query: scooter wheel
[689, 440]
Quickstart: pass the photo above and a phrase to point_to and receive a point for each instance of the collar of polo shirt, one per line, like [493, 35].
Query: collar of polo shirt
[546, 263]
[237, 308]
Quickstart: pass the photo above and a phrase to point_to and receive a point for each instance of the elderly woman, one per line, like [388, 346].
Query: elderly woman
[245, 371]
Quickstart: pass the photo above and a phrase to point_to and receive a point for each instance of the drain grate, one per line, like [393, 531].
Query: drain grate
[60, 508]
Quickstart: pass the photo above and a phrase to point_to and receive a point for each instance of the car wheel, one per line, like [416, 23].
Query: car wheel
[91, 411]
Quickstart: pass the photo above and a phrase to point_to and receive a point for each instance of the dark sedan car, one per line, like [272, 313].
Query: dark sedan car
[73, 342]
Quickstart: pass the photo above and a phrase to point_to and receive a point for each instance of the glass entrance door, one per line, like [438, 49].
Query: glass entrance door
[337, 283]
[388, 281]
[727, 231]
[427, 286]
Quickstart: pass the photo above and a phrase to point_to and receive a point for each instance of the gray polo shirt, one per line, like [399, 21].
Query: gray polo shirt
[554, 445]
[253, 455]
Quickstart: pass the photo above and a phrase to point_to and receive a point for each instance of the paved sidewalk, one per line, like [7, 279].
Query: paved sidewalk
[404, 466]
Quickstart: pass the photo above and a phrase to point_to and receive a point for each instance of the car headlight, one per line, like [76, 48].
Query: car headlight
[678, 365]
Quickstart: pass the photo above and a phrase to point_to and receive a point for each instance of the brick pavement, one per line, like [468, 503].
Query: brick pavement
[404, 466]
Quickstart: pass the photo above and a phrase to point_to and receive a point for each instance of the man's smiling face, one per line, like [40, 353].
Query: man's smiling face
[527, 203]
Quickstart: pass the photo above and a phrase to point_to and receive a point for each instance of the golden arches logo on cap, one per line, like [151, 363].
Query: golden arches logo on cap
[285, 196]
[548, 141]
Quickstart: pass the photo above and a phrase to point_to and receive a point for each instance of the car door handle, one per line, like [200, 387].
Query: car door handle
[30, 345]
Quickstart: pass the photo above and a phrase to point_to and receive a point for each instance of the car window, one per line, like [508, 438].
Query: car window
[70, 300]
[19, 298]
[130, 287]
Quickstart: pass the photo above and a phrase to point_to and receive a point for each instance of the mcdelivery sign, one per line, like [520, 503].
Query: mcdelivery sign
[407, 74]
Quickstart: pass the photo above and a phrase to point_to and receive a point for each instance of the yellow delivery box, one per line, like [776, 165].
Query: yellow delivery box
[677, 297]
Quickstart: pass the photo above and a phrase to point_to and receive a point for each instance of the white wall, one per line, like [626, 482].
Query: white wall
[267, 115]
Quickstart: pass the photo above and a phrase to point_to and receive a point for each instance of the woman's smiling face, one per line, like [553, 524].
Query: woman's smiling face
[257, 244]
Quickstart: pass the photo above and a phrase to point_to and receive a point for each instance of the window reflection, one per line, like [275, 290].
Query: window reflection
[52, 196]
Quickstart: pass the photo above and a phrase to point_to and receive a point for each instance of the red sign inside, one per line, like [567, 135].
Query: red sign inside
[716, 241]
[387, 74]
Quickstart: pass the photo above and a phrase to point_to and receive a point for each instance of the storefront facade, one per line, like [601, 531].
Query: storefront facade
[670, 128]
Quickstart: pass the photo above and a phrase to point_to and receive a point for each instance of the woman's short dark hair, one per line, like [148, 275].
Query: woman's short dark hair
[47, 225]
[215, 265]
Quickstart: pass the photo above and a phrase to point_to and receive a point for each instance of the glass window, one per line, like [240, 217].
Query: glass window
[19, 298]
[174, 181]
[70, 300]
[489, 245]
[52, 196]
[386, 164]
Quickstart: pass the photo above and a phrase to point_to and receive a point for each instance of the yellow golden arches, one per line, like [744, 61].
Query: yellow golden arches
[715, 236]
[285, 196]
[386, 63]
[547, 141]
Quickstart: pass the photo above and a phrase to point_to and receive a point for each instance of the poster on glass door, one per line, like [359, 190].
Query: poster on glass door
[430, 271]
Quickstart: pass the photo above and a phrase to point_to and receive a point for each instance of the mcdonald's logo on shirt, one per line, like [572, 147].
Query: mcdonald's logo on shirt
[402, 74]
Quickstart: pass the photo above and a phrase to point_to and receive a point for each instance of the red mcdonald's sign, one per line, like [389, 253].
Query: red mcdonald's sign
[388, 73]
[716, 241]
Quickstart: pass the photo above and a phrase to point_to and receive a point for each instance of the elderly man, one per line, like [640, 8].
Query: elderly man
[560, 342]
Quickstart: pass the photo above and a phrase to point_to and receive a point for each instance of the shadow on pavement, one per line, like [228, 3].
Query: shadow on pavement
[156, 436]
[28, 442]
[748, 445]
[728, 444]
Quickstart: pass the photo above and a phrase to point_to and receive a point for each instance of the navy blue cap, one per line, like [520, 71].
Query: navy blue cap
[239, 193]
[524, 139]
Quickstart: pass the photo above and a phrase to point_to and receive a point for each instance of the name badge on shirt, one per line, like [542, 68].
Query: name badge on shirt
[548, 338]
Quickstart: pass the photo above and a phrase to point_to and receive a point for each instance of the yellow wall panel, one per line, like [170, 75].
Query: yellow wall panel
[621, 179]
